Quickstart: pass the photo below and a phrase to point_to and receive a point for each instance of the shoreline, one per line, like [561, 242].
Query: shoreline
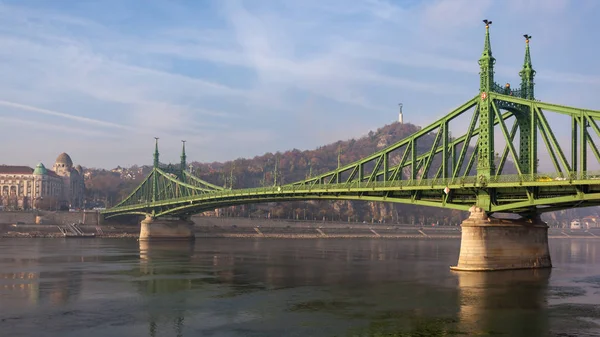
[278, 230]
[38, 235]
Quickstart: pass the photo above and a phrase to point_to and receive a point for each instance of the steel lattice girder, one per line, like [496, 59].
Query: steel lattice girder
[571, 185]
[170, 190]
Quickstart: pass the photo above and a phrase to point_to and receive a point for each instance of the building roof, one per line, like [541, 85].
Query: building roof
[53, 174]
[12, 169]
[64, 158]
[40, 169]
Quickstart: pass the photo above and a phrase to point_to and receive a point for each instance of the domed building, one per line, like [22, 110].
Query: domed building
[63, 163]
[73, 183]
[23, 187]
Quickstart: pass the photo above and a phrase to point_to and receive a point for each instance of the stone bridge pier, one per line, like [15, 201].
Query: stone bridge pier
[166, 229]
[488, 243]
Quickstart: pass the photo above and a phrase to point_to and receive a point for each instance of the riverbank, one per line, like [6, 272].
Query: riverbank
[32, 235]
[282, 231]
[58, 235]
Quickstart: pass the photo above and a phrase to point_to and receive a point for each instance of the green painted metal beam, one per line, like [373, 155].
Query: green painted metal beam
[171, 190]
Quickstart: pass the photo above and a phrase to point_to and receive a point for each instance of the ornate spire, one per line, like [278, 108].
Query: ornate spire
[527, 73]
[487, 61]
[183, 156]
[527, 62]
[155, 151]
[487, 46]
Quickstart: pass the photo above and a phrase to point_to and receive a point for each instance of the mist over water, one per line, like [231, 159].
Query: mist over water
[269, 287]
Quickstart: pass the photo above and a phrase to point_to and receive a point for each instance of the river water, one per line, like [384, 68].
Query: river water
[269, 287]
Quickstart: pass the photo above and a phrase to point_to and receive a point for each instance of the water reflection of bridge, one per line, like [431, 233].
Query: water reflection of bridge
[488, 301]
[184, 273]
[163, 267]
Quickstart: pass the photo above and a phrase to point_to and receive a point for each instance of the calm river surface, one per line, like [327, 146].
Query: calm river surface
[269, 287]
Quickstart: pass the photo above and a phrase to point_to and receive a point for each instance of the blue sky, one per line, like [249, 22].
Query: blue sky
[100, 79]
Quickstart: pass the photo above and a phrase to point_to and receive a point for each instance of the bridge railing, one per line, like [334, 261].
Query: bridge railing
[507, 90]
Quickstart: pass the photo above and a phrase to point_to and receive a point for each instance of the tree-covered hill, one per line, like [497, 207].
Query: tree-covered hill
[296, 165]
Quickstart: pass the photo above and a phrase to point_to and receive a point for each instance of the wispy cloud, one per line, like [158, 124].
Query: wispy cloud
[238, 78]
[62, 115]
[30, 124]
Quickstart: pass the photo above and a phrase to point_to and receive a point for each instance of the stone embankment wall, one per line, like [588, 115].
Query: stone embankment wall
[52, 231]
[51, 218]
[269, 228]
[211, 227]
[265, 223]
[17, 217]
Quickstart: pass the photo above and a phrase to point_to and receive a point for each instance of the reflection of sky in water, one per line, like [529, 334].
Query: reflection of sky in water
[228, 287]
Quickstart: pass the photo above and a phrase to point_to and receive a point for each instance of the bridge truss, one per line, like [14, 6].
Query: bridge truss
[453, 172]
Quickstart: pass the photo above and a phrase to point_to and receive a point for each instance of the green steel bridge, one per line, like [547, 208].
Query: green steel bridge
[456, 172]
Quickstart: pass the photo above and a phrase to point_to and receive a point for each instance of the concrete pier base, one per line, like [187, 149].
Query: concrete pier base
[489, 244]
[166, 229]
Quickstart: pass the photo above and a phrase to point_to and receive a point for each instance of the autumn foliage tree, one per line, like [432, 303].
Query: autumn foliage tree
[295, 165]
[109, 187]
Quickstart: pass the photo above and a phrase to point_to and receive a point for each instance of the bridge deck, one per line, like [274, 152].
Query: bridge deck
[512, 193]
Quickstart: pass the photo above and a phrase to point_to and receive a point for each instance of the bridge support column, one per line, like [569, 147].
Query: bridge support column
[490, 244]
[166, 229]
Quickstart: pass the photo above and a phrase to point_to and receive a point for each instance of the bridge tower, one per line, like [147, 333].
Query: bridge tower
[489, 243]
[527, 73]
[164, 228]
[155, 176]
[526, 118]
[485, 155]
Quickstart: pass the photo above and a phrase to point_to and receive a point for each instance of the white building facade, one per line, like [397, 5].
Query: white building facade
[23, 187]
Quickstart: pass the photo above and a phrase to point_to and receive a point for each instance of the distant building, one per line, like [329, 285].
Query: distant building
[590, 222]
[23, 187]
[73, 180]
